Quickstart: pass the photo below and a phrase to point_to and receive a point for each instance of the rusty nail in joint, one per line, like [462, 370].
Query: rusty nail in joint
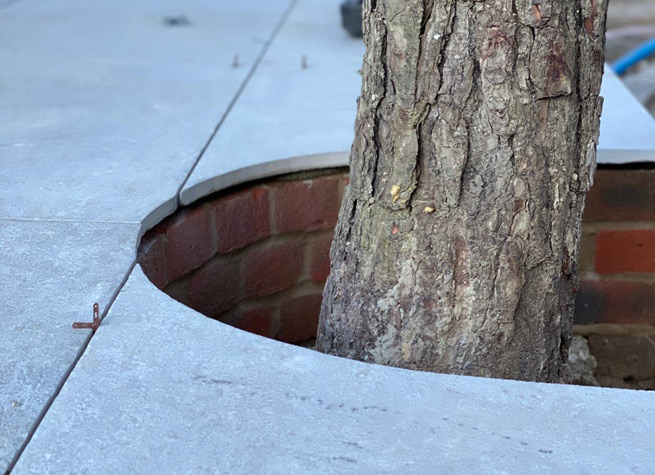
[96, 320]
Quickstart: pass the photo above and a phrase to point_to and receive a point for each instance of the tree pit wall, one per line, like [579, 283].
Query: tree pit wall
[256, 257]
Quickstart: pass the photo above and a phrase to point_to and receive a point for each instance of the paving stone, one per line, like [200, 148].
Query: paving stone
[162, 389]
[287, 110]
[110, 104]
[640, 80]
[627, 130]
[629, 13]
[50, 276]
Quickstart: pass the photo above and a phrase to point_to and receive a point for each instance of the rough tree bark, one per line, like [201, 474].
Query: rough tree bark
[475, 143]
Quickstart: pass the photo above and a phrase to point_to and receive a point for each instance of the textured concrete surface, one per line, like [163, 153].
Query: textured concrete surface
[627, 130]
[51, 273]
[162, 389]
[105, 107]
[641, 83]
[110, 106]
[289, 110]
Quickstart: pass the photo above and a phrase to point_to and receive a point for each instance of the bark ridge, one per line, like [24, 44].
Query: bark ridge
[475, 143]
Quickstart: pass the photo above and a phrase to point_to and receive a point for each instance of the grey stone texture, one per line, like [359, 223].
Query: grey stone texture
[289, 110]
[627, 131]
[110, 106]
[51, 273]
[311, 111]
[162, 389]
[105, 107]
[581, 362]
[641, 83]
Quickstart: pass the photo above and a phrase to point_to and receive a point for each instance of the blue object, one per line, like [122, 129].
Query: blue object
[631, 58]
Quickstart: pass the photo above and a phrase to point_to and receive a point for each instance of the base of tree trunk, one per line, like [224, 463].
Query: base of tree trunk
[456, 248]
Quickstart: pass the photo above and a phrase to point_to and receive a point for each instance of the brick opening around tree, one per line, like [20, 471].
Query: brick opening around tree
[256, 257]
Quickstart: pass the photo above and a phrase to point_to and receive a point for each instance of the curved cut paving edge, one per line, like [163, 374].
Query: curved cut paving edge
[256, 256]
[96, 134]
[162, 389]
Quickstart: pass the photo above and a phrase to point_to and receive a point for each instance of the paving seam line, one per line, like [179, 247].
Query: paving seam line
[87, 341]
[237, 95]
[68, 372]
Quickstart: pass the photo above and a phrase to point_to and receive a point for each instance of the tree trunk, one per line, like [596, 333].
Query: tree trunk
[475, 143]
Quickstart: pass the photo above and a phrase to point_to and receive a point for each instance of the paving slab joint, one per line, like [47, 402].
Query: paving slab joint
[242, 87]
[69, 371]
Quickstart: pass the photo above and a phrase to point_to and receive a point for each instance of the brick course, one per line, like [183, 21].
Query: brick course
[256, 258]
[624, 361]
[271, 269]
[319, 258]
[258, 320]
[621, 195]
[307, 205]
[152, 257]
[241, 219]
[221, 257]
[214, 288]
[612, 301]
[189, 242]
[299, 318]
[587, 253]
[625, 251]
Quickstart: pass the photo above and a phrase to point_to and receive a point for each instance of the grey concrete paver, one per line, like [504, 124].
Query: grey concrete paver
[630, 12]
[641, 83]
[106, 106]
[289, 110]
[108, 110]
[627, 130]
[162, 389]
[50, 275]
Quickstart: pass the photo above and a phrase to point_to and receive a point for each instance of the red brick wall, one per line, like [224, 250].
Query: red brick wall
[257, 257]
[617, 264]
[615, 307]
